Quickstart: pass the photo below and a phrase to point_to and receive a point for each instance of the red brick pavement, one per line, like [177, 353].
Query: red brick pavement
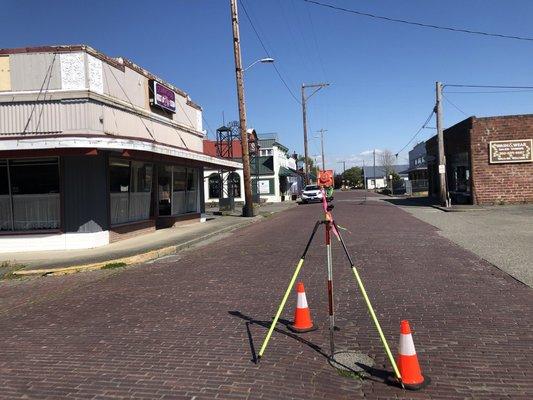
[183, 327]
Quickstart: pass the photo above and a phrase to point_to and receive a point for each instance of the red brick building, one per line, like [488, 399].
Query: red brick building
[488, 160]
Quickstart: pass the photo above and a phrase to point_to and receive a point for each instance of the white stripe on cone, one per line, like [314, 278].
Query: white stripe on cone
[407, 346]
[302, 301]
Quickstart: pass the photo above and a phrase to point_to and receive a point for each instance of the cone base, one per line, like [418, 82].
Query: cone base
[301, 330]
[418, 386]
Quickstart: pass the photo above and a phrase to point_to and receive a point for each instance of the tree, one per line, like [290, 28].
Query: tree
[309, 162]
[387, 161]
[353, 177]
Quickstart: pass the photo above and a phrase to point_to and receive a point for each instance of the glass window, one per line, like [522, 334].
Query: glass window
[119, 176]
[5, 200]
[179, 186]
[234, 182]
[35, 193]
[215, 186]
[141, 191]
[130, 187]
[192, 190]
[165, 186]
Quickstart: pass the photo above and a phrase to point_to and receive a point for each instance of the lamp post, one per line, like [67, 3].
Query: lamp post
[266, 60]
[317, 87]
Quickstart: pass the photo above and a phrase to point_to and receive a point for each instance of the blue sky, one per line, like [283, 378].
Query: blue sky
[382, 74]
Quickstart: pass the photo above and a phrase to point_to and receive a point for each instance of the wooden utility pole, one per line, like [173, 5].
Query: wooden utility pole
[317, 87]
[442, 157]
[321, 131]
[248, 209]
[374, 179]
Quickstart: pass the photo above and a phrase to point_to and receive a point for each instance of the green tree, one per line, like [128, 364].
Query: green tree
[310, 162]
[353, 177]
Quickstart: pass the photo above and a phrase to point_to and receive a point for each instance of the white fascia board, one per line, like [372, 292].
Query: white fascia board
[113, 143]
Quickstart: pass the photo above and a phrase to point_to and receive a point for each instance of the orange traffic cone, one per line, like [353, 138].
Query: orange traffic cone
[302, 315]
[412, 377]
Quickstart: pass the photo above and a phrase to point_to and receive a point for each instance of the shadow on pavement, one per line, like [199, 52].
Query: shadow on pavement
[412, 201]
[266, 324]
[373, 374]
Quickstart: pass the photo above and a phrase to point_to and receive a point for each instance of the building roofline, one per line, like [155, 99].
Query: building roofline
[118, 62]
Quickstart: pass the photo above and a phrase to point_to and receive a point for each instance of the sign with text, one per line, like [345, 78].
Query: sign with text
[511, 151]
[264, 187]
[162, 96]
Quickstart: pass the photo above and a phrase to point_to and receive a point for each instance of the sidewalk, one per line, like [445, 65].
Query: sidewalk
[501, 235]
[130, 251]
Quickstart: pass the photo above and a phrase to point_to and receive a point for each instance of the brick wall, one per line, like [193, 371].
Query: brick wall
[500, 183]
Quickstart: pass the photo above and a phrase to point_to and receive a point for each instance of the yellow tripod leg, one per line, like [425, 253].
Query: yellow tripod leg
[281, 306]
[287, 292]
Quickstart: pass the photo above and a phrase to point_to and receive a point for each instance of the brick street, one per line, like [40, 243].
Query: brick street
[188, 326]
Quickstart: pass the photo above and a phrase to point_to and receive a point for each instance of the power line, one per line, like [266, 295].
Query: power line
[417, 132]
[267, 53]
[488, 86]
[420, 24]
[491, 91]
[455, 106]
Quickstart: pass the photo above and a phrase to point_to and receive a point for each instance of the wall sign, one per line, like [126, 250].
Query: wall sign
[264, 187]
[511, 151]
[162, 97]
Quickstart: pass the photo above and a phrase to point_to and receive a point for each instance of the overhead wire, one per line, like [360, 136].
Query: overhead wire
[424, 125]
[419, 24]
[268, 53]
[47, 78]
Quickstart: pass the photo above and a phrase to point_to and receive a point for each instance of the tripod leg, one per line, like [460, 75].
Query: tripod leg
[287, 292]
[330, 289]
[371, 310]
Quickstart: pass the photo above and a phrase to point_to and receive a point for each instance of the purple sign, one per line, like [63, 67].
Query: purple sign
[163, 97]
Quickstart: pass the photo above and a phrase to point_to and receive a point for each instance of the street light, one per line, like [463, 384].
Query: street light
[317, 87]
[267, 60]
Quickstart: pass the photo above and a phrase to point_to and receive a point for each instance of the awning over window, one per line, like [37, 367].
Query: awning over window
[286, 172]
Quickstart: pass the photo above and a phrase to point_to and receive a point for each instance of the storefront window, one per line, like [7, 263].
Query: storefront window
[179, 191]
[29, 194]
[5, 200]
[141, 191]
[192, 190]
[130, 186]
[165, 190]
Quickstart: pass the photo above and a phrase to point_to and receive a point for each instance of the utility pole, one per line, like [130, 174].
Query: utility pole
[317, 87]
[247, 210]
[442, 157]
[364, 177]
[321, 131]
[374, 169]
[343, 165]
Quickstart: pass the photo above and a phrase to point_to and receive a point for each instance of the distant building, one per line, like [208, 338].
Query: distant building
[488, 160]
[418, 170]
[93, 149]
[379, 178]
[276, 169]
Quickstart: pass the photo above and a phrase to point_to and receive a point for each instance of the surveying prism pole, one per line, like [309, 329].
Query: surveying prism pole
[330, 288]
[370, 309]
[287, 292]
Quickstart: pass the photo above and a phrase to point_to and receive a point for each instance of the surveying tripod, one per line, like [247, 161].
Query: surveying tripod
[331, 227]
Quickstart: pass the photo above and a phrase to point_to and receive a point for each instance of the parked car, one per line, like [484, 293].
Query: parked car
[311, 193]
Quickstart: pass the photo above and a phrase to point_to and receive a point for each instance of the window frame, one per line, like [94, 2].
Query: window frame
[60, 226]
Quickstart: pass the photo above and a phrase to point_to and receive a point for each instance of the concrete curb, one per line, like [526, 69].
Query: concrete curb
[134, 259]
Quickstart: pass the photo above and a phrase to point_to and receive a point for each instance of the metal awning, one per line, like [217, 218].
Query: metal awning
[283, 171]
